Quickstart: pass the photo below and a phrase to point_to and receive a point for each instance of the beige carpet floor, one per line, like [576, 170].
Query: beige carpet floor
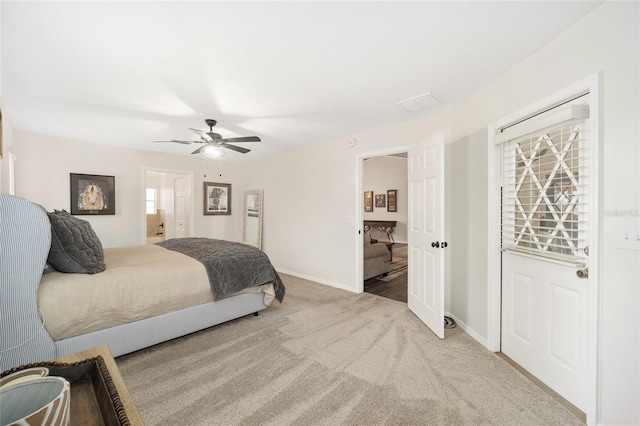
[331, 357]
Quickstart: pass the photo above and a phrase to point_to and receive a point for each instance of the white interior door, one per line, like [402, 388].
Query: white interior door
[180, 194]
[544, 313]
[545, 215]
[426, 232]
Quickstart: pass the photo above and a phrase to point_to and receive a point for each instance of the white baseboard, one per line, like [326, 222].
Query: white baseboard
[470, 331]
[317, 280]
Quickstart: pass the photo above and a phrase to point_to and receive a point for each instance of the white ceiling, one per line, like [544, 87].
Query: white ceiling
[128, 73]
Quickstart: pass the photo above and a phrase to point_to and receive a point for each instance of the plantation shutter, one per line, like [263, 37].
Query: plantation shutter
[545, 174]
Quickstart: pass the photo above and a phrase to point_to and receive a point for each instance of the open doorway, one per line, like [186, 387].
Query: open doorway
[168, 209]
[385, 266]
[425, 229]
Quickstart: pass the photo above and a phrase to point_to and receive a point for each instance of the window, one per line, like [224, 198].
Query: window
[151, 201]
[544, 202]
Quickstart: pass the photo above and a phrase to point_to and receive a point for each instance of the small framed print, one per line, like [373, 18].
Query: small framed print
[368, 201]
[380, 200]
[92, 194]
[392, 199]
[217, 198]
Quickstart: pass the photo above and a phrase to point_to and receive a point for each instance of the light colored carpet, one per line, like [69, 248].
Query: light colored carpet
[331, 357]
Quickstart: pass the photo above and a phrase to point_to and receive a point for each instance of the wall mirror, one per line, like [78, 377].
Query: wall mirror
[253, 207]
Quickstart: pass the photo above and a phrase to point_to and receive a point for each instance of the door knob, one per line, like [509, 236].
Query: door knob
[444, 244]
[583, 273]
[435, 244]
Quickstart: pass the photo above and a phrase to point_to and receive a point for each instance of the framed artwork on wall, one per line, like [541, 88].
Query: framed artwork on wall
[392, 195]
[380, 200]
[217, 198]
[368, 201]
[92, 194]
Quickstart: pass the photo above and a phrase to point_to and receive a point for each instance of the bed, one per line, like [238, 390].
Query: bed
[128, 298]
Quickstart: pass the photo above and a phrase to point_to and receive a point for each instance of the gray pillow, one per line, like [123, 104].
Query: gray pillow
[75, 247]
[48, 268]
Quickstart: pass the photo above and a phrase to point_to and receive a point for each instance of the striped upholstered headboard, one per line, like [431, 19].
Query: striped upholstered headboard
[25, 238]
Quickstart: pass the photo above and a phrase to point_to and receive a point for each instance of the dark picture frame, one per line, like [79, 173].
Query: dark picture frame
[392, 200]
[217, 198]
[368, 201]
[92, 194]
[381, 200]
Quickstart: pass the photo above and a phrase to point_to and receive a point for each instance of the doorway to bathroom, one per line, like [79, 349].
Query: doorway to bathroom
[168, 206]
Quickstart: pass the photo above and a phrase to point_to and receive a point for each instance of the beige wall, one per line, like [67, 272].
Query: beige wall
[42, 175]
[467, 218]
[310, 201]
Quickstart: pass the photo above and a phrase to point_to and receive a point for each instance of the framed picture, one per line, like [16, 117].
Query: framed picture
[392, 195]
[380, 200]
[217, 198]
[92, 194]
[368, 201]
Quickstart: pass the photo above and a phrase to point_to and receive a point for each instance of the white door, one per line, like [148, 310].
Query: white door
[545, 217]
[180, 194]
[426, 232]
[543, 317]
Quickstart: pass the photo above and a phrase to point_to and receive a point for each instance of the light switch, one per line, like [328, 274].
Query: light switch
[628, 237]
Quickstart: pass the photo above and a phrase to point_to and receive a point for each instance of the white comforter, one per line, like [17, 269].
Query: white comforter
[139, 282]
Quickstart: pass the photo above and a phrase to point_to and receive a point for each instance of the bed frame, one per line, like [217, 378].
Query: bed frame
[25, 238]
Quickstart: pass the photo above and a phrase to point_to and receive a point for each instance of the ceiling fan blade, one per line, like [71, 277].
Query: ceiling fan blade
[235, 148]
[215, 139]
[175, 141]
[243, 139]
[197, 151]
[204, 135]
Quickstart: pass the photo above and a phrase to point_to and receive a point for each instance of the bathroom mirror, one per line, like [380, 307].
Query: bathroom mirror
[253, 206]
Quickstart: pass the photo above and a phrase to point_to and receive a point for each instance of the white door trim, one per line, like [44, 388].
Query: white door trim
[594, 85]
[359, 208]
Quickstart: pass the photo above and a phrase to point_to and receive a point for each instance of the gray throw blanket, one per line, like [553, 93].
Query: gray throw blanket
[231, 266]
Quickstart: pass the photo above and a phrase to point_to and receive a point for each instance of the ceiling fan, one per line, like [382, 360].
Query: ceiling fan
[214, 141]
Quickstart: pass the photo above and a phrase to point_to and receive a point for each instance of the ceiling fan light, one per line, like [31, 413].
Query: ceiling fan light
[211, 151]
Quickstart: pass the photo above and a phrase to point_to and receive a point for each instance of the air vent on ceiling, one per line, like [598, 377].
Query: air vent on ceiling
[420, 102]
